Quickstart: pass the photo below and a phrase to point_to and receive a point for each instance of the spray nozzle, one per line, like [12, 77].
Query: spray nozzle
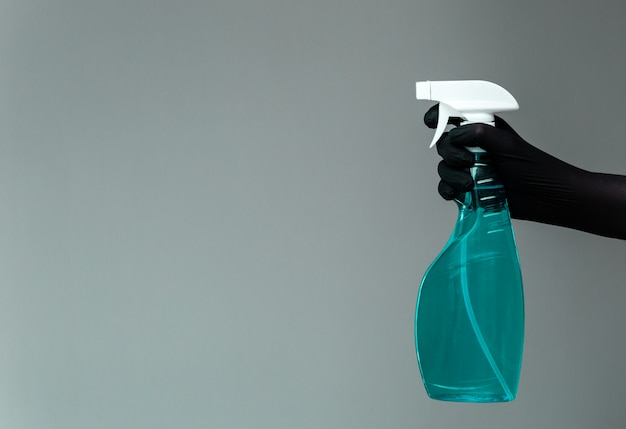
[471, 100]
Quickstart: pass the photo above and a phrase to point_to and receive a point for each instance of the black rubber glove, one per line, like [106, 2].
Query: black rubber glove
[539, 187]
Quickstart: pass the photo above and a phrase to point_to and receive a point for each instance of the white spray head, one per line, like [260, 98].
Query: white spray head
[471, 100]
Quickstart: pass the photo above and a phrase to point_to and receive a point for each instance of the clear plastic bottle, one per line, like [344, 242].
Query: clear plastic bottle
[469, 321]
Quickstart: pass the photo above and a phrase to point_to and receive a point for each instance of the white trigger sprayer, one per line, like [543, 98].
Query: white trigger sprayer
[474, 101]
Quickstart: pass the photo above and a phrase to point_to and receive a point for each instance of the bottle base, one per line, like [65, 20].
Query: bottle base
[476, 395]
[465, 397]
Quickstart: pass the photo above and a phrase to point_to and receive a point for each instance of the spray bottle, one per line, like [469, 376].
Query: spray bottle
[469, 319]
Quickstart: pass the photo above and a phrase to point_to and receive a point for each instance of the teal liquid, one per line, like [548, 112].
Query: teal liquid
[469, 323]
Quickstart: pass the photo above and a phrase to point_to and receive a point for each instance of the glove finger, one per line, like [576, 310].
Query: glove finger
[446, 191]
[480, 135]
[453, 155]
[431, 117]
[457, 178]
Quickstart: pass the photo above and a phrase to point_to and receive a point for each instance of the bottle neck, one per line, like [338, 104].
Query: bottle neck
[488, 192]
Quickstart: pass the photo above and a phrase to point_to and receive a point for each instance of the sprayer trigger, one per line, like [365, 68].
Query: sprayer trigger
[445, 112]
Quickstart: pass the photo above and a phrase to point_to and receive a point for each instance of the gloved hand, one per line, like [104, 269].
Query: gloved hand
[539, 187]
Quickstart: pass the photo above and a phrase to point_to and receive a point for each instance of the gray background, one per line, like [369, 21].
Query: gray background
[216, 214]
